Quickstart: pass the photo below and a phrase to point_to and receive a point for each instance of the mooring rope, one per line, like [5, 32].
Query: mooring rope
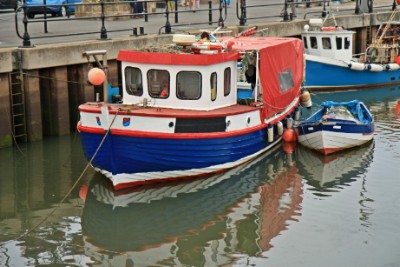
[70, 190]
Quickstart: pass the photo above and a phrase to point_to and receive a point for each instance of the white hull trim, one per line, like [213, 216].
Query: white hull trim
[126, 178]
[333, 140]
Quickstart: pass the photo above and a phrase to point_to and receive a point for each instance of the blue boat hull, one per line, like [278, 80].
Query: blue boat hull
[320, 75]
[158, 157]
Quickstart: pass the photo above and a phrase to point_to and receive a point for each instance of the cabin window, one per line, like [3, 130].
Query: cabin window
[188, 85]
[286, 80]
[213, 86]
[346, 43]
[339, 45]
[158, 83]
[326, 43]
[133, 81]
[227, 81]
[313, 42]
[305, 42]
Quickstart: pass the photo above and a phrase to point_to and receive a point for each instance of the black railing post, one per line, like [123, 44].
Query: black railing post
[221, 19]
[243, 16]
[285, 13]
[167, 24]
[26, 40]
[45, 16]
[209, 12]
[103, 34]
[357, 10]
[146, 16]
[176, 11]
[324, 10]
[394, 5]
[370, 6]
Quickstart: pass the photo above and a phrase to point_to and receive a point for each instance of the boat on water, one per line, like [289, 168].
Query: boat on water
[180, 117]
[331, 64]
[337, 126]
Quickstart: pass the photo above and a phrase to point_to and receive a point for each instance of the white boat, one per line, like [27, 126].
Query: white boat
[337, 126]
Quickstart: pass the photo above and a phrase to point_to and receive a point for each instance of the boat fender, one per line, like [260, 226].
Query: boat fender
[270, 133]
[296, 114]
[375, 67]
[305, 99]
[289, 123]
[279, 127]
[392, 66]
[356, 66]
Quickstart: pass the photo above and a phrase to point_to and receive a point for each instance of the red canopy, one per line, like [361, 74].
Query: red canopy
[281, 68]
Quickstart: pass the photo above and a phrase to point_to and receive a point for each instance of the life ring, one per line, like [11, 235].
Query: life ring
[328, 29]
[207, 46]
[372, 54]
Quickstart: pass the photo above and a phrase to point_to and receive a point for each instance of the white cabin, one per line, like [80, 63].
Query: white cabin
[328, 42]
[196, 87]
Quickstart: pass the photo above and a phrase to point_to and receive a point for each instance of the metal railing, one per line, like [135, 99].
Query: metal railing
[214, 14]
[105, 18]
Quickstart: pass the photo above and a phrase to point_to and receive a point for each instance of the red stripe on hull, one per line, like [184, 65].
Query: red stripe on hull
[130, 184]
[87, 129]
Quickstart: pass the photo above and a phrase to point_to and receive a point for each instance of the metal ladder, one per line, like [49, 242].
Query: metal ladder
[17, 101]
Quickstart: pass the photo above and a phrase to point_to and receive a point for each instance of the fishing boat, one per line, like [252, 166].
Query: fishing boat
[179, 116]
[337, 126]
[331, 64]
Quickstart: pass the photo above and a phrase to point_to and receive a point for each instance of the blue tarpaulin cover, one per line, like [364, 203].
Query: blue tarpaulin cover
[355, 107]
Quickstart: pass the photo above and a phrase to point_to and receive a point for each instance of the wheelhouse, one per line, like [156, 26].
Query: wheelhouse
[330, 42]
[193, 84]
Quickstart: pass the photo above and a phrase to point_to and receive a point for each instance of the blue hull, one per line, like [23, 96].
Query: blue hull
[126, 154]
[330, 76]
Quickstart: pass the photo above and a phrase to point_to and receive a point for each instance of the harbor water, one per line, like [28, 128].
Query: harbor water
[289, 207]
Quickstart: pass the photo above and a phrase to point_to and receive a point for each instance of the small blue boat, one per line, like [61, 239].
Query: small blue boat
[337, 126]
[330, 63]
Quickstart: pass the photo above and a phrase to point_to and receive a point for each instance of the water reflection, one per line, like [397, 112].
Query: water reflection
[230, 219]
[327, 174]
[197, 223]
[34, 178]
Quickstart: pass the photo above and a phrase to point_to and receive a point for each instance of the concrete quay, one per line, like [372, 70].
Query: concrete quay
[50, 79]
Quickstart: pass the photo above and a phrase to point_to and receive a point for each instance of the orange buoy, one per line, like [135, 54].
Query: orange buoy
[289, 135]
[96, 76]
[83, 191]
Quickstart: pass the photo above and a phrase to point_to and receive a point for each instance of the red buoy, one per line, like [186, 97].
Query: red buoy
[289, 135]
[96, 76]
[83, 191]
[398, 60]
